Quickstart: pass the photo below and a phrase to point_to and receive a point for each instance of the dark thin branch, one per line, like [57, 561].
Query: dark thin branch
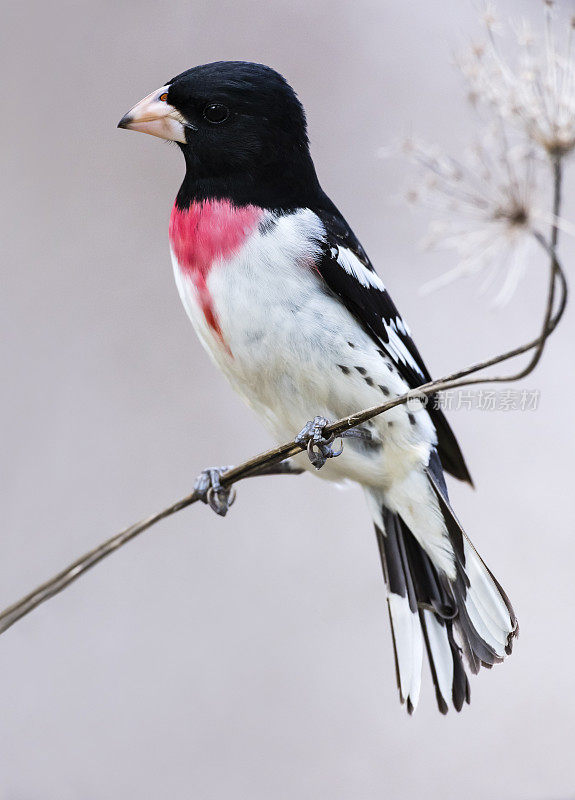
[85, 562]
[274, 461]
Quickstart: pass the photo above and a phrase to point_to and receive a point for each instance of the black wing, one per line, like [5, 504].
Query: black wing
[348, 272]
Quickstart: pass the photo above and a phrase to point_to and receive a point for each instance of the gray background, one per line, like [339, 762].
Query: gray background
[251, 657]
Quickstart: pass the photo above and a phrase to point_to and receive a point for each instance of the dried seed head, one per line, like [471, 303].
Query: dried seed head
[490, 17]
[484, 204]
[534, 88]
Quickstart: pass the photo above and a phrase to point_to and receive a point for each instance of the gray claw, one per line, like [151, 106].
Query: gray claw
[318, 447]
[210, 490]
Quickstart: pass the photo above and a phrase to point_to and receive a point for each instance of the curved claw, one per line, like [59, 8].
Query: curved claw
[211, 492]
[318, 447]
[320, 451]
[221, 500]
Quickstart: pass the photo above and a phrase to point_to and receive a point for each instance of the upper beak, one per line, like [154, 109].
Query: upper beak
[156, 117]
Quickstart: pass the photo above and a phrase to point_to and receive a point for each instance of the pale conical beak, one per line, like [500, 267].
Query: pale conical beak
[154, 115]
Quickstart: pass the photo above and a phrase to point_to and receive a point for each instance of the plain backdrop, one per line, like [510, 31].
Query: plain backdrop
[248, 657]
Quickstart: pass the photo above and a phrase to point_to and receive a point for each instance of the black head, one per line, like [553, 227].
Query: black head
[242, 130]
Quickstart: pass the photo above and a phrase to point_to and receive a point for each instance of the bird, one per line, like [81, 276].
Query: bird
[289, 307]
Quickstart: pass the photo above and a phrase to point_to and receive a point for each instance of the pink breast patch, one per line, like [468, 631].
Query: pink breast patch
[204, 234]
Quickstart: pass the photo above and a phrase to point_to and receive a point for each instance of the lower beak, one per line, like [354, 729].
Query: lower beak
[156, 117]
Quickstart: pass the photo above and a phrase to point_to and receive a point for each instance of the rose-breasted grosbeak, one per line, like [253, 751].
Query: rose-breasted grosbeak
[288, 305]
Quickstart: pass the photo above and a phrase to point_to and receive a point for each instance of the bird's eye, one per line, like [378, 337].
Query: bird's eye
[164, 97]
[216, 113]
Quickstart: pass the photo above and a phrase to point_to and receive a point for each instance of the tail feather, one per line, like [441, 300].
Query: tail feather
[456, 616]
[420, 612]
[440, 657]
[445, 662]
[492, 624]
[402, 605]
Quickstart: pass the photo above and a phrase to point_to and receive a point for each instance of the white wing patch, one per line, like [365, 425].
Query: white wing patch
[371, 280]
[353, 266]
[402, 326]
[397, 346]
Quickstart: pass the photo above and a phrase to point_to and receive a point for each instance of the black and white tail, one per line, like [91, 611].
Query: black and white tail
[452, 607]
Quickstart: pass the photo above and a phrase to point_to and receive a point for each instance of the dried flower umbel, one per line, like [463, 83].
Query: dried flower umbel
[492, 202]
[534, 87]
[485, 205]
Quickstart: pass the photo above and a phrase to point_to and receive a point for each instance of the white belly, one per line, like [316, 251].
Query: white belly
[293, 351]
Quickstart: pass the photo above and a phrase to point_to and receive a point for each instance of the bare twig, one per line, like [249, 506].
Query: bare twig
[267, 463]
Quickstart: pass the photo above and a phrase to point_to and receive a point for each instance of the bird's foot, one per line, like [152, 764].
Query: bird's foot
[209, 489]
[319, 447]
